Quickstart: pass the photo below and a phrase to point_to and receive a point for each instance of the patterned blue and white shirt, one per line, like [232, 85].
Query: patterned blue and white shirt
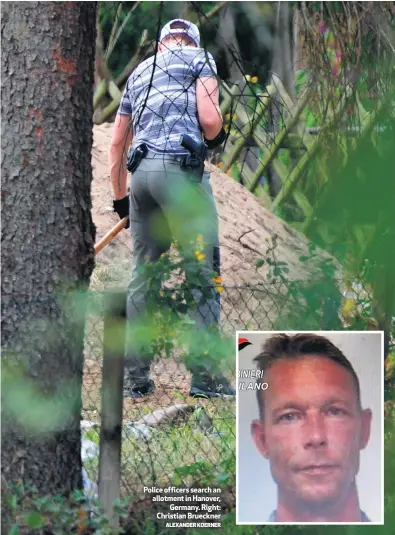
[160, 95]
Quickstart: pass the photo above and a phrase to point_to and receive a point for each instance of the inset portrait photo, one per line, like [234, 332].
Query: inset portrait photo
[310, 427]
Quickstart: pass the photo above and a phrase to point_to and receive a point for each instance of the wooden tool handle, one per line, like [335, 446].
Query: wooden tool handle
[110, 235]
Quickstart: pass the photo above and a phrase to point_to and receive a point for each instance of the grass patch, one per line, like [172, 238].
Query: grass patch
[177, 454]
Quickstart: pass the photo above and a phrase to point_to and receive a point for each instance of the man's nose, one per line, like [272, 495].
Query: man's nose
[314, 432]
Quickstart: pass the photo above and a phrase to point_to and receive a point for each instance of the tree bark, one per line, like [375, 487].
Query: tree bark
[48, 51]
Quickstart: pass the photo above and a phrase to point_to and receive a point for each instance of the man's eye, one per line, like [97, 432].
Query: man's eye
[335, 411]
[288, 417]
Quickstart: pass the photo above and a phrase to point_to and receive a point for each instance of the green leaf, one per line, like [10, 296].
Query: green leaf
[177, 481]
[222, 478]
[259, 263]
[13, 502]
[192, 469]
[34, 520]
[15, 530]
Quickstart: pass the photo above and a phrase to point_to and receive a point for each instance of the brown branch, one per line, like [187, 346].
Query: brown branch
[114, 41]
[244, 233]
[215, 10]
[113, 31]
[245, 245]
[121, 78]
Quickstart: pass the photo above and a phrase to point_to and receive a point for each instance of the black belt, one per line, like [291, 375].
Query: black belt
[194, 166]
[164, 156]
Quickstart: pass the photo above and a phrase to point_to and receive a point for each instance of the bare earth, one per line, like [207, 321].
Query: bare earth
[246, 226]
[246, 231]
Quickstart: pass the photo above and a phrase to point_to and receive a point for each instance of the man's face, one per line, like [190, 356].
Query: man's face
[312, 430]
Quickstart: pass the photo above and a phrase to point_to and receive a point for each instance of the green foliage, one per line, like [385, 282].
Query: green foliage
[220, 474]
[301, 79]
[28, 513]
[25, 512]
[200, 469]
[27, 403]
[235, 173]
[284, 156]
[166, 324]
[317, 301]
[147, 15]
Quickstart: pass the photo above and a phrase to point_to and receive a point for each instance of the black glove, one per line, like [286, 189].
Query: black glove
[121, 207]
[218, 140]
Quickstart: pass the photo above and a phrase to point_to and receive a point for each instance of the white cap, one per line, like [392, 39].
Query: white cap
[189, 29]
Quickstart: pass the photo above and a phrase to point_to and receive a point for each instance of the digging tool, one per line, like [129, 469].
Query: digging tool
[110, 235]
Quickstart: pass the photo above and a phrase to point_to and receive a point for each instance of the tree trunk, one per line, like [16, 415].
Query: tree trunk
[47, 236]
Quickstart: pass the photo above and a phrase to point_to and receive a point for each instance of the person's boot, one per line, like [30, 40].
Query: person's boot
[137, 392]
[205, 386]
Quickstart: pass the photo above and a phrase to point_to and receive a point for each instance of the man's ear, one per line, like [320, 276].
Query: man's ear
[258, 436]
[366, 422]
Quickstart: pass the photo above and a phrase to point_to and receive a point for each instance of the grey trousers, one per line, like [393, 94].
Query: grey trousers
[166, 205]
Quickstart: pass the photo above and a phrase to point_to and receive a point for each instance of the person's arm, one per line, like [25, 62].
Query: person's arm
[122, 136]
[207, 102]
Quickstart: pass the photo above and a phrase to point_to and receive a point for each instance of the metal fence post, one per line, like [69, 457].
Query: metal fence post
[112, 403]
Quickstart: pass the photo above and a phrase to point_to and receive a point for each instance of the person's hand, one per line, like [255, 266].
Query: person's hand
[121, 207]
[218, 140]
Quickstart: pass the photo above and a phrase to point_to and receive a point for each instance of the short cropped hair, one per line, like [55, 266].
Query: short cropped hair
[291, 347]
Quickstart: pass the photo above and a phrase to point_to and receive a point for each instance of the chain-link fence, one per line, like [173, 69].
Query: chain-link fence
[306, 128]
[169, 438]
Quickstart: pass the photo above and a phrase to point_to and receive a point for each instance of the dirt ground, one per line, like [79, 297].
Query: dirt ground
[172, 386]
[246, 226]
[246, 230]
